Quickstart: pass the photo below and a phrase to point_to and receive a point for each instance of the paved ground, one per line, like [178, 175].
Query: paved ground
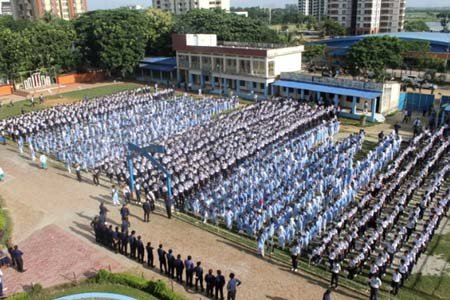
[36, 198]
[52, 265]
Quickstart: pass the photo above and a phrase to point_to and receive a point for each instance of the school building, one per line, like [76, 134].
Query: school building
[241, 69]
[354, 97]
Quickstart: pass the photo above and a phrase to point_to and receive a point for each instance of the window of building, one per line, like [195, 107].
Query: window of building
[231, 65]
[218, 64]
[259, 67]
[195, 62]
[271, 68]
[244, 66]
[206, 63]
[183, 61]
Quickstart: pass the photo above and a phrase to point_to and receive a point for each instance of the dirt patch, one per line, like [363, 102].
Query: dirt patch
[58, 101]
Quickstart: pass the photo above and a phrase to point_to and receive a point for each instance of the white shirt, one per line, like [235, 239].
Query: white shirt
[375, 282]
[396, 277]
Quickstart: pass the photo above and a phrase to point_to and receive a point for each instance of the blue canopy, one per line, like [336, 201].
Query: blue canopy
[158, 68]
[327, 89]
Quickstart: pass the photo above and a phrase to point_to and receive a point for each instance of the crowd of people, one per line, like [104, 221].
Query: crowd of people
[188, 271]
[370, 233]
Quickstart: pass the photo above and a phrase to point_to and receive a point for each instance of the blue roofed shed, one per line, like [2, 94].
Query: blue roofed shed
[157, 69]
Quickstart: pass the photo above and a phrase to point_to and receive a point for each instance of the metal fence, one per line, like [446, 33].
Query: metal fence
[415, 101]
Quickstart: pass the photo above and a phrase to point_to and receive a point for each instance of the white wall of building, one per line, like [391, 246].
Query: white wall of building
[206, 40]
[288, 63]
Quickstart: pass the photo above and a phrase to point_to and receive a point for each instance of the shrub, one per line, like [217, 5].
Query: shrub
[160, 290]
[157, 289]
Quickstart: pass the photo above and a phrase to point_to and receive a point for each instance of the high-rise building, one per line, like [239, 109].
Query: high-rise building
[182, 6]
[5, 7]
[392, 16]
[316, 8]
[34, 9]
[368, 16]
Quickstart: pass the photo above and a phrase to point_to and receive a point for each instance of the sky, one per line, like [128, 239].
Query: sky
[105, 4]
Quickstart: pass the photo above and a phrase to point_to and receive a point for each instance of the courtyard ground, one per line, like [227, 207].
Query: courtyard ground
[37, 199]
[51, 212]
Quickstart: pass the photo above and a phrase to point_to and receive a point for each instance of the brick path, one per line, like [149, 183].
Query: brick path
[53, 256]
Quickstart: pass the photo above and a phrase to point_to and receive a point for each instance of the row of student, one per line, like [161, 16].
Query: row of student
[132, 245]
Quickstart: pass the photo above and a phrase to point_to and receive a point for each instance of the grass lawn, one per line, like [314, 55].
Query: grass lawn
[440, 246]
[5, 224]
[357, 123]
[9, 111]
[426, 287]
[426, 16]
[97, 91]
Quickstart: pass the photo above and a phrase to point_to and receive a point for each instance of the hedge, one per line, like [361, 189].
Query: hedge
[155, 288]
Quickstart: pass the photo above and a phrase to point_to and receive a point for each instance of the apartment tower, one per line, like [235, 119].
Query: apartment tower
[182, 6]
[34, 9]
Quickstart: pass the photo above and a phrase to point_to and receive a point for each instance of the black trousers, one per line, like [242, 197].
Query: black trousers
[146, 216]
[394, 287]
[171, 270]
[294, 261]
[189, 278]
[132, 251]
[219, 290]
[163, 264]
[124, 248]
[19, 264]
[373, 293]
[150, 260]
[169, 211]
[140, 256]
[209, 290]
[334, 279]
[197, 281]
[78, 175]
[95, 179]
[179, 275]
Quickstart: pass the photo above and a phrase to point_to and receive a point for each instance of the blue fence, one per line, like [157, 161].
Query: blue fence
[415, 101]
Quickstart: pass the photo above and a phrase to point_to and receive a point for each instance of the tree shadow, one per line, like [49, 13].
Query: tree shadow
[101, 198]
[32, 164]
[275, 298]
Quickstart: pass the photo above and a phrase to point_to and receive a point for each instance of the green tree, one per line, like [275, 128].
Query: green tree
[15, 54]
[330, 27]
[52, 45]
[159, 28]
[374, 55]
[228, 27]
[445, 19]
[113, 40]
[314, 52]
[416, 26]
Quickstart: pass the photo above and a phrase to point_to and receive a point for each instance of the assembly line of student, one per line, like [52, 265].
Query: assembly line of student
[271, 171]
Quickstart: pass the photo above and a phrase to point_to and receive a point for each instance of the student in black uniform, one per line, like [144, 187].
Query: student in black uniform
[198, 271]
[147, 209]
[179, 267]
[125, 239]
[162, 259]
[140, 250]
[210, 280]
[132, 242]
[149, 249]
[219, 283]
[171, 263]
